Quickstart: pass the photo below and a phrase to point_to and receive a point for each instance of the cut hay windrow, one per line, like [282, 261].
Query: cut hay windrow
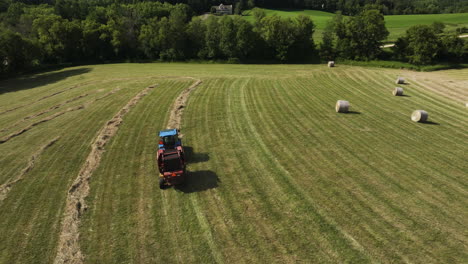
[6, 187]
[69, 250]
[53, 116]
[44, 112]
[47, 96]
[179, 105]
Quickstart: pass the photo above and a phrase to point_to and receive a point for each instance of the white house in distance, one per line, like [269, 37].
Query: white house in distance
[223, 9]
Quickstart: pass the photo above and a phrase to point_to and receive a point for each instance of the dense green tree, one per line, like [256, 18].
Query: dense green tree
[212, 38]
[149, 39]
[227, 41]
[420, 45]
[258, 15]
[245, 38]
[14, 12]
[360, 37]
[303, 47]
[196, 36]
[327, 50]
[438, 27]
[4, 4]
[17, 54]
[96, 41]
[51, 34]
[279, 35]
[453, 48]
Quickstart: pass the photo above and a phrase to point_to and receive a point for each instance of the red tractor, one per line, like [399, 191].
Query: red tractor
[171, 159]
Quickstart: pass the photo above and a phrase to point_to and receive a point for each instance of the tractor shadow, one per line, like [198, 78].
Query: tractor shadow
[37, 80]
[193, 157]
[199, 181]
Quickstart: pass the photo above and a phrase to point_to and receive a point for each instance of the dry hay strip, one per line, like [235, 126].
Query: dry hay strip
[68, 250]
[71, 109]
[44, 112]
[6, 187]
[48, 96]
[178, 108]
[19, 132]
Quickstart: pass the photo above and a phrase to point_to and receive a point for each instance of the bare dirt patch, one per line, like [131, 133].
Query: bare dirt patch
[6, 187]
[69, 250]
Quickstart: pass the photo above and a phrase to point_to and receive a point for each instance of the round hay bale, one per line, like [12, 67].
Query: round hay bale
[331, 64]
[342, 106]
[420, 116]
[400, 80]
[398, 91]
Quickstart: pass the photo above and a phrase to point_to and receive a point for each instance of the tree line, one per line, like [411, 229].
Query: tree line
[73, 8]
[36, 35]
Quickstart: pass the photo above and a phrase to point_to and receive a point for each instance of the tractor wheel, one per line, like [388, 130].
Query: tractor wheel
[162, 184]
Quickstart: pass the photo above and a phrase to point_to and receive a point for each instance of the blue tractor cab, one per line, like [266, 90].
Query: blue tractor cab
[169, 139]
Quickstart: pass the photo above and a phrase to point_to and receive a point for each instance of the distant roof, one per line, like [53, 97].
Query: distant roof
[168, 132]
[223, 7]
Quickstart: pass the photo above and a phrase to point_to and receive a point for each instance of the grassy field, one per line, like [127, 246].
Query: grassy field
[275, 175]
[396, 25]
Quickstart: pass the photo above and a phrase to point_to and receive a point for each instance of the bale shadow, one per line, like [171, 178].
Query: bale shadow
[198, 181]
[36, 80]
[431, 123]
[353, 113]
[193, 157]
[405, 95]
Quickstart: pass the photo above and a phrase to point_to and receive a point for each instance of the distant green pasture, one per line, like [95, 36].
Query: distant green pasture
[397, 24]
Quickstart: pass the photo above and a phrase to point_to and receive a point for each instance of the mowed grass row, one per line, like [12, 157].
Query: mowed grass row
[30, 215]
[380, 183]
[275, 175]
[124, 221]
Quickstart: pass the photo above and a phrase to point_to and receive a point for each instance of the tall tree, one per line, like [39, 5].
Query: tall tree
[360, 37]
[421, 45]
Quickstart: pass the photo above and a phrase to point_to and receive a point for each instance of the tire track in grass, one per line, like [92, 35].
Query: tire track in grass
[6, 187]
[318, 126]
[398, 134]
[328, 224]
[200, 119]
[252, 210]
[431, 199]
[294, 123]
[339, 130]
[53, 116]
[69, 248]
[392, 164]
[175, 119]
